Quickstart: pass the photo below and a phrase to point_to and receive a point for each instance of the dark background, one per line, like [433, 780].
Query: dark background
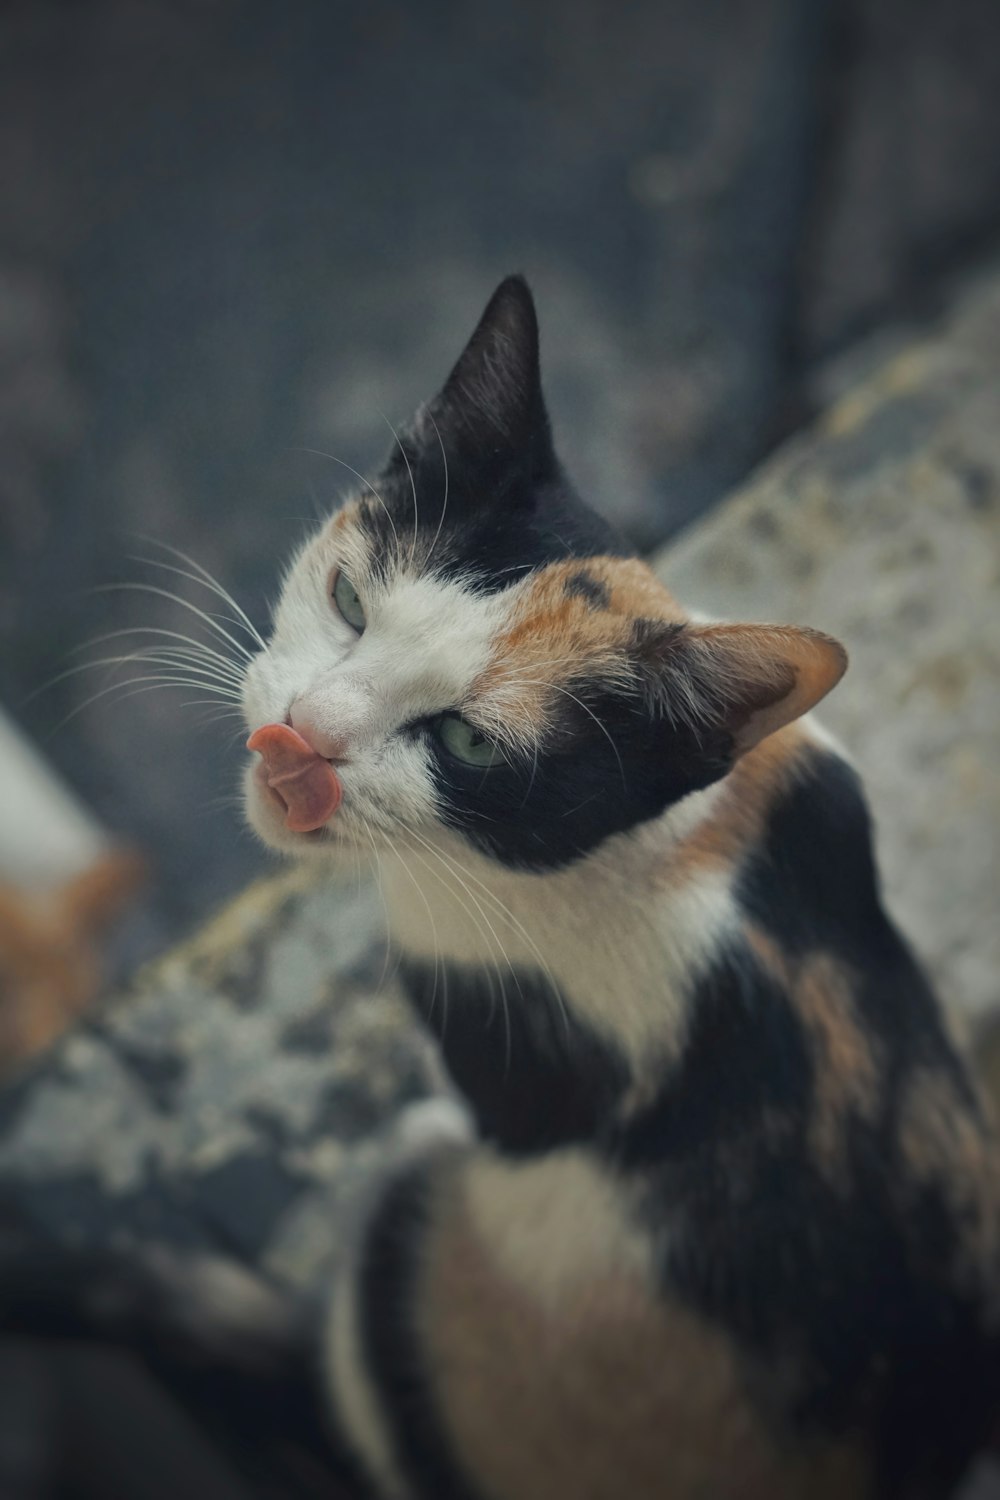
[233, 230]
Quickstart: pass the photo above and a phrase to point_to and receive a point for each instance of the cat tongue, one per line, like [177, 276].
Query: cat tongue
[306, 783]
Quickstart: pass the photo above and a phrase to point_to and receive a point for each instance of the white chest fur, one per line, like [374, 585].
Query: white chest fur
[622, 943]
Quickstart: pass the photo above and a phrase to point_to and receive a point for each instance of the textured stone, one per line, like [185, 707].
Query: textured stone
[194, 1111]
[882, 526]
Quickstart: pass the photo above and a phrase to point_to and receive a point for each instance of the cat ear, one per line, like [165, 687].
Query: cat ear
[491, 409]
[739, 681]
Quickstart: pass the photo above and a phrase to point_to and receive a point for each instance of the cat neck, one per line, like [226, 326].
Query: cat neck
[623, 934]
[616, 935]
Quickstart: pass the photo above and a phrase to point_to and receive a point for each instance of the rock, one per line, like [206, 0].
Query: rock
[219, 1102]
[881, 525]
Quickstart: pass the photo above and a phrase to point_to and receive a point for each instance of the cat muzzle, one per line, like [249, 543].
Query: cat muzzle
[300, 778]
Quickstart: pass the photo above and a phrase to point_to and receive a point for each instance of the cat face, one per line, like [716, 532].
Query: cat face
[472, 649]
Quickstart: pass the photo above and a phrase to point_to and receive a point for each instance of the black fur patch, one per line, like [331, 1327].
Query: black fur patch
[613, 765]
[493, 531]
[746, 1052]
[813, 881]
[850, 1284]
[536, 1076]
[583, 586]
[813, 885]
[477, 477]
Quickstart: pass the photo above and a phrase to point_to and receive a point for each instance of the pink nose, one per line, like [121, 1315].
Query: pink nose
[330, 746]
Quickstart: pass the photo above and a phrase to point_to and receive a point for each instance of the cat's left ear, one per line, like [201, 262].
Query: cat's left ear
[490, 412]
[737, 683]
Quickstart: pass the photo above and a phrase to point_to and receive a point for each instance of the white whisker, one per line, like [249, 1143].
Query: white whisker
[201, 647]
[204, 579]
[210, 620]
[413, 486]
[206, 674]
[129, 690]
[335, 460]
[377, 873]
[509, 916]
[444, 503]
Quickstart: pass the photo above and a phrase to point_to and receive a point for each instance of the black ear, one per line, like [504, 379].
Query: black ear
[491, 412]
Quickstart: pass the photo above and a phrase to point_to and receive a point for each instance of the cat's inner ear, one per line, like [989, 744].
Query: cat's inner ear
[491, 409]
[744, 681]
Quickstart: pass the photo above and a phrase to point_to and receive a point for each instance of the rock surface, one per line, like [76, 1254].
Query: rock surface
[882, 526]
[223, 1099]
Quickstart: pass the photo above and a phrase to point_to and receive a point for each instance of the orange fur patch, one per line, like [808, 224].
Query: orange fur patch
[847, 1076]
[555, 634]
[822, 991]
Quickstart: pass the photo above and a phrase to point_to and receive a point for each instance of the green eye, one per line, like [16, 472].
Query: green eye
[345, 597]
[465, 743]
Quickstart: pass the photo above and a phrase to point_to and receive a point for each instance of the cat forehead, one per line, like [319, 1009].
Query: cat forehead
[604, 587]
[568, 620]
[582, 609]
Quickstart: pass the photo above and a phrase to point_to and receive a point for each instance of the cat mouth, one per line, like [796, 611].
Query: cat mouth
[295, 778]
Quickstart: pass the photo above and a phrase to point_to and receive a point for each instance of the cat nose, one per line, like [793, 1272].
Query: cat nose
[331, 746]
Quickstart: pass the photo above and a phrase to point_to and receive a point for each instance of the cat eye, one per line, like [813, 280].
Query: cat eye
[464, 741]
[345, 597]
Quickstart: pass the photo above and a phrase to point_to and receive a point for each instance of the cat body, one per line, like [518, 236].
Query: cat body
[727, 1220]
[719, 1216]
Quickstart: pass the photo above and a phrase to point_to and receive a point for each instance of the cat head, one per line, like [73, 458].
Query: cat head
[466, 646]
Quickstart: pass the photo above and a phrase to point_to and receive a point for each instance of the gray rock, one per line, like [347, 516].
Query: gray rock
[882, 526]
[220, 1100]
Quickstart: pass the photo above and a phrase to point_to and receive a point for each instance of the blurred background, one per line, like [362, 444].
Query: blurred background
[233, 234]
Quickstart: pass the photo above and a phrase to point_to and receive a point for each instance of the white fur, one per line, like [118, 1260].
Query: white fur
[425, 641]
[624, 960]
[555, 1225]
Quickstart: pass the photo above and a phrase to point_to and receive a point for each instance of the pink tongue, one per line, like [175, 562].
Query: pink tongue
[306, 783]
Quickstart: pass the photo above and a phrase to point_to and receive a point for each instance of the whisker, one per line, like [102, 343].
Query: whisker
[125, 690]
[518, 926]
[202, 577]
[493, 933]
[210, 620]
[318, 453]
[201, 647]
[434, 933]
[207, 674]
[172, 679]
[377, 872]
[482, 934]
[444, 503]
[413, 486]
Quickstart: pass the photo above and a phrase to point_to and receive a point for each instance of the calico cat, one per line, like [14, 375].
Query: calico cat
[726, 1220]
[719, 1217]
